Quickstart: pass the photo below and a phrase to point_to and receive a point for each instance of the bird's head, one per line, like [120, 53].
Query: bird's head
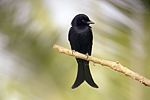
[81, 19]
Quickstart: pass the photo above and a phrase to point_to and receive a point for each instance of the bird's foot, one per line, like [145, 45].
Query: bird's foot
[73, 51]
[87, 55]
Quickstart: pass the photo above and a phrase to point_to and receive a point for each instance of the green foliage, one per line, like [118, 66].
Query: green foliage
[34, 70]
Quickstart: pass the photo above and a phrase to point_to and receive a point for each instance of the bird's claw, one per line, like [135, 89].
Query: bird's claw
[73, 51]
[87, 55]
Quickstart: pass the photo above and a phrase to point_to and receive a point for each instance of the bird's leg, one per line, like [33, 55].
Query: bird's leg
[73, 51]
[87, 55]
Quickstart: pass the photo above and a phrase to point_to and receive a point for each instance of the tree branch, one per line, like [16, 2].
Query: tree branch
[113, 65]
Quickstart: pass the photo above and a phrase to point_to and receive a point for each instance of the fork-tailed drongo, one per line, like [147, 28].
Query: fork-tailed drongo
[80, 37]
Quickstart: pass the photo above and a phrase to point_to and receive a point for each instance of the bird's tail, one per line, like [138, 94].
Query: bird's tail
[83, 74]
[88, 76]
[80, 75]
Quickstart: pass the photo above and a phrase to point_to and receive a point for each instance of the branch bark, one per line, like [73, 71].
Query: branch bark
[113, 65]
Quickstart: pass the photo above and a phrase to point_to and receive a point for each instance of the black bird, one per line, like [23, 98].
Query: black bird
[80, 37]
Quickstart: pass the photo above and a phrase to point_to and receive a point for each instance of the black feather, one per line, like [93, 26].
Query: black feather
[80, 38]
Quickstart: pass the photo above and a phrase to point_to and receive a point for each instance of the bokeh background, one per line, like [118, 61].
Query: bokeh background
[30, 69]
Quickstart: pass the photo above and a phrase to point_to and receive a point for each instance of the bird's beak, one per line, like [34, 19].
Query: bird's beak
[90, 22]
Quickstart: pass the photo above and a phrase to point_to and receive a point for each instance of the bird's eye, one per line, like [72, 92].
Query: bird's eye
[83, 21]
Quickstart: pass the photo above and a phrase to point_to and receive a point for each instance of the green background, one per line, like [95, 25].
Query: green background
[30, 69]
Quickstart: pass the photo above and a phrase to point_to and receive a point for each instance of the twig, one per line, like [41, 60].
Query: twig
[113, 65]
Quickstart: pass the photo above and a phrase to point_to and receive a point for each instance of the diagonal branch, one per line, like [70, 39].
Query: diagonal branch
[113, 65]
